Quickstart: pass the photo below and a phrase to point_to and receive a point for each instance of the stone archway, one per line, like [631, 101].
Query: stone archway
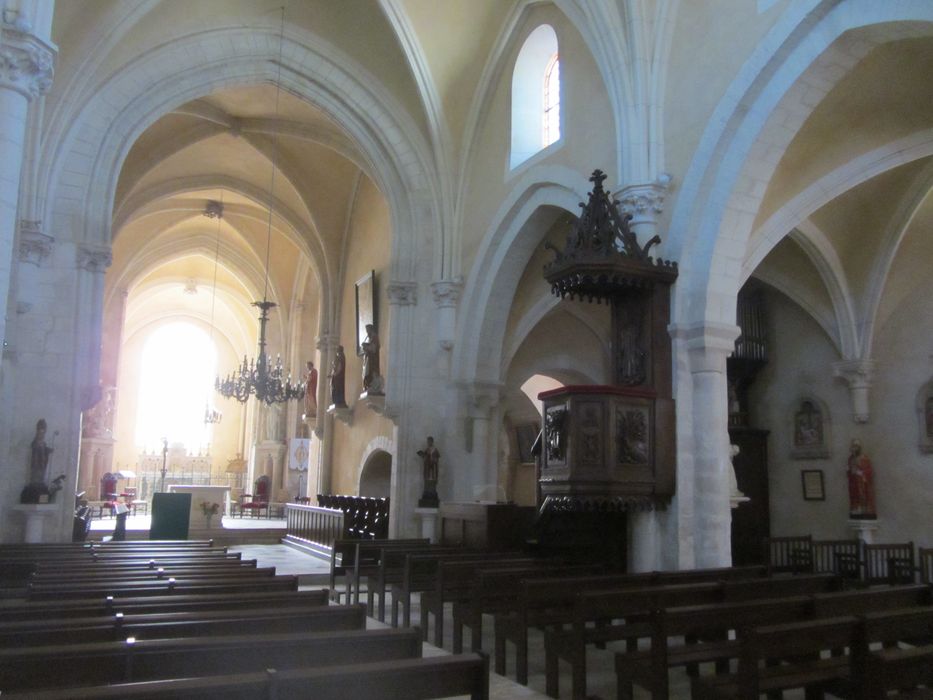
[376, 477]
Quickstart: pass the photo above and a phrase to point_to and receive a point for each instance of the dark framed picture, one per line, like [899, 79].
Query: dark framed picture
[365, 307]
[812, 480]
[525, 436]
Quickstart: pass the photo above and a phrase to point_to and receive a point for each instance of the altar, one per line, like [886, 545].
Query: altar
[204, 494]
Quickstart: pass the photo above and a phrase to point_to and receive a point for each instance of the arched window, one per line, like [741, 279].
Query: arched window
[551, 121]
[535, 96]
[179, 362]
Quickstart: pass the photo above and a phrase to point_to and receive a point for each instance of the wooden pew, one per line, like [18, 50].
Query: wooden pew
[801, 645]
[13, 610]
[898, 669]
[711, 624]
[348, 554]
[389, 570]
[188, 586]
[185, 624]
[408, 679]
[145, 660]
[602, 607]
[236, 572]
[420, 574]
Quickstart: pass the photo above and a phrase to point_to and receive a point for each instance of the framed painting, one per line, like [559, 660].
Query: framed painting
[365, 307]
[813, 489]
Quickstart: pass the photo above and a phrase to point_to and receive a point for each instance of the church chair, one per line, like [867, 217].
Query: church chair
[889, 563]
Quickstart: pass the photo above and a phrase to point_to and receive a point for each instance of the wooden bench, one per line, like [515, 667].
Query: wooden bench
[367, 560]
[236, 571]
[390, 569]
[802, 647]
[145, 660]
[184, 624]
[711, 624]
[345, 556]
[898, 669]
[13, 610]
[422, 571]
[188, 586]
[407, 679]
[600, 608]
[708, 626]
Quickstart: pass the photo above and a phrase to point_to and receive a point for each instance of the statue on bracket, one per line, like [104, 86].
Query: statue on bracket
[430, 459]
[37, 490]
[337, 375]
[311, 393]
[372, 379]
[861, 484]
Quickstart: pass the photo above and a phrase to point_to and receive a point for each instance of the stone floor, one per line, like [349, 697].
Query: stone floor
[601, 682]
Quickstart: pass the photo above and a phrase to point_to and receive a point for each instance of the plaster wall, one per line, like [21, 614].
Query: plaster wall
[800, 365]
[367, 248]
[587, 131]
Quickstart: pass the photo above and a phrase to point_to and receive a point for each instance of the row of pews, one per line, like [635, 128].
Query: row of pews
[760, 631]
[170, 619]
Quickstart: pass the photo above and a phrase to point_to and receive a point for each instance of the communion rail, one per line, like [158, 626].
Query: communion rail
[314, 528]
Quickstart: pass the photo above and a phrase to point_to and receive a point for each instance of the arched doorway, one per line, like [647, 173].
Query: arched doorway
[376, 477]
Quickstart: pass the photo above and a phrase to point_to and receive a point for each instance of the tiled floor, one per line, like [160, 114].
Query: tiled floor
[600, 674]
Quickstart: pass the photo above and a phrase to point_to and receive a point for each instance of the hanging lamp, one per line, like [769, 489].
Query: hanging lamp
[260, 378]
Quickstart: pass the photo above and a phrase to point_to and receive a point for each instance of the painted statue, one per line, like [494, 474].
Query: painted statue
[337, 376]
[861, 483]
[372, 379]
[430, 460]
[311, 392]
[37, 489]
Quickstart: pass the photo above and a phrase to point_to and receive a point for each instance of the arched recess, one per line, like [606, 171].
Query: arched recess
[754, 123]
[518, 228]
[380, 451]
[376, 475]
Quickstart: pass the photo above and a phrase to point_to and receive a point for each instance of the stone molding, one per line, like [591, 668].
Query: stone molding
[707, 344]
[327, 341]
[646, 200]
[402, 293]
[94, 259]
[34, 246]
[446, 293]
[858, 375]
[25, 62]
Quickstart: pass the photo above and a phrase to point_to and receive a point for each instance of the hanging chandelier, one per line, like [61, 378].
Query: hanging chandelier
[265, 381]
[259, 378]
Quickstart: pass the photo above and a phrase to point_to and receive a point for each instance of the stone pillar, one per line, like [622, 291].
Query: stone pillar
[92, 263]
[482, 479]
[708, 346]
[858, 375]
[404, 345]
[25, 73]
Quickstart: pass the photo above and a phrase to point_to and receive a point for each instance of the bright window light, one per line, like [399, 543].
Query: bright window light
[179, 362]
[551, 102]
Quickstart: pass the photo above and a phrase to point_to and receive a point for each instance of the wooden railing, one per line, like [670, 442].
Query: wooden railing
[313, 527]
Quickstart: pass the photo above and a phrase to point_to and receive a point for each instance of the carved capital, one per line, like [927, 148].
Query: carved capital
[644, 202]
[707, 344]
[94, 259]
[402, 293]
[447, 292]
[34, 246]
[327, 342]
[25, 61]
[858, 374]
